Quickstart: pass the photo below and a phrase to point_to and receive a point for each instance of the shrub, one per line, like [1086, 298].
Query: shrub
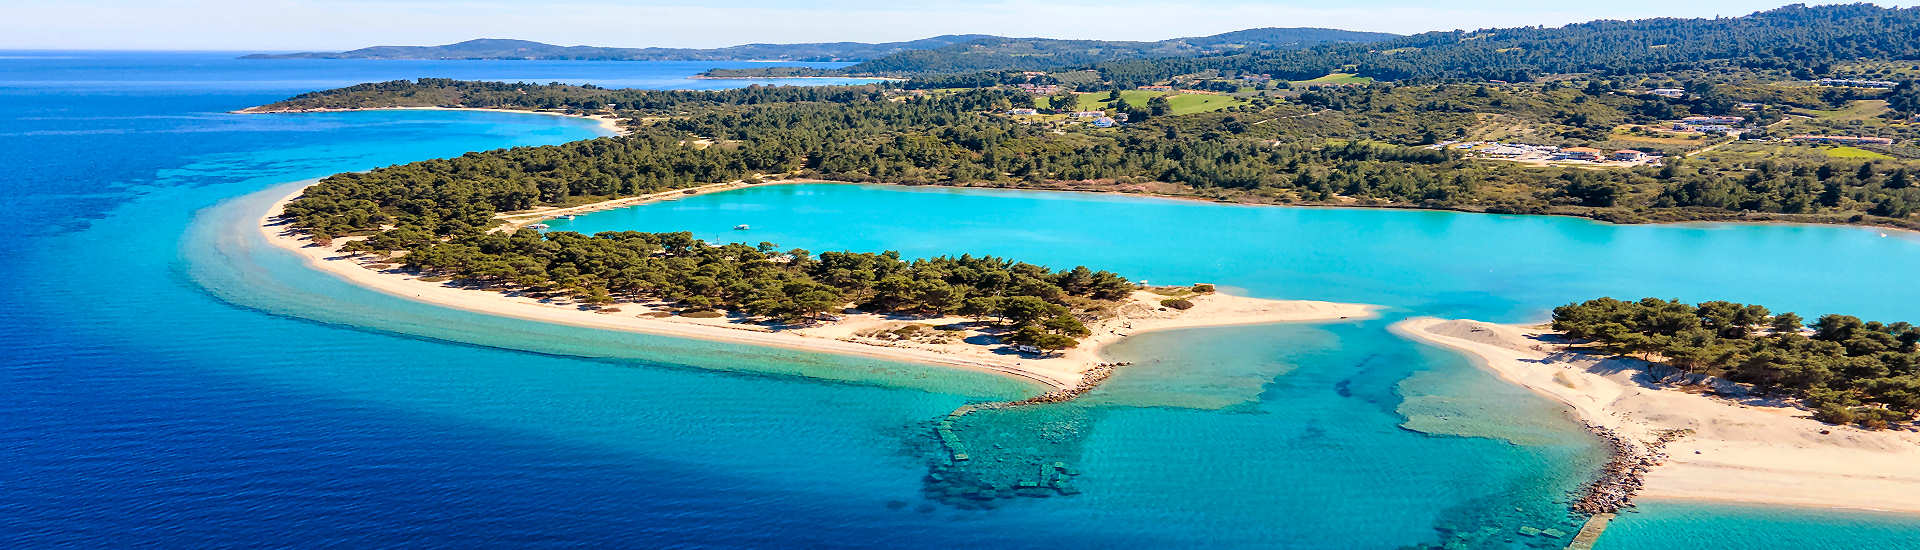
[1177, 303]
[1203, 288]
[1833, 414]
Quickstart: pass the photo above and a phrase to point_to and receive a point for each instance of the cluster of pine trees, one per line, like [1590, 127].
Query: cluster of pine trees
[1849, 370]
[1038, 305]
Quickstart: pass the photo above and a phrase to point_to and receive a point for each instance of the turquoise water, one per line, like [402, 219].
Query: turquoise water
[1487, 267]
[1280, 406]
[1665, 524]
[174, 382]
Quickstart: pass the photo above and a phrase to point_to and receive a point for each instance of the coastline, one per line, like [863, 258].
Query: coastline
[1065, 370]
[612, 125]
[1740, 449]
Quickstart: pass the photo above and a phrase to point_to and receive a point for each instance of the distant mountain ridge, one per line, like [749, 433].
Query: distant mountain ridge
[501, 48]
[985, 49]
[998, 53]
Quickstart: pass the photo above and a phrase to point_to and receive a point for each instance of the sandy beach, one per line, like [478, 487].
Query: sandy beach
[860, 334]
[1743, 448]
[609, 123]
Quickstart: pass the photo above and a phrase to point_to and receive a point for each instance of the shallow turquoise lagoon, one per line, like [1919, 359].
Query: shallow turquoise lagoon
[1487, 267]
[1468, 457]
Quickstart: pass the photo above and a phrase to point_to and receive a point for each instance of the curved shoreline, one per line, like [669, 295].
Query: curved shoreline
[1062, 371]
[1739, 449]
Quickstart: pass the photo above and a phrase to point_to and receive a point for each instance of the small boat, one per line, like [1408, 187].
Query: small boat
[538, 227]
[741, 227]
[569, 217]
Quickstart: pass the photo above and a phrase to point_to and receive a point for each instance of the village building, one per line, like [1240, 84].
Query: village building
[1037, 89]
[1088, 114]
[1674, 93]
[1711, 120]
[1020, 112]
[1851, 83]
[1505, 151]
[1580, 153]
[1703, 128]
[1627, 155]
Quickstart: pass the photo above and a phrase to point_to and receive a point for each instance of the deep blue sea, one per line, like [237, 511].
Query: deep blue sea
[171, 381]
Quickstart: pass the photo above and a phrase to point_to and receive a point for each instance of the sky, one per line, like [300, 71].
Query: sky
[281, 25]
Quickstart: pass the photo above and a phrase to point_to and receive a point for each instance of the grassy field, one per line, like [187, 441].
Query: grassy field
[1857, 118]
[1337, 78]
[1181, 104]
[1854, 110]
[1651, 135]
[1855, 153]
[1744, 151]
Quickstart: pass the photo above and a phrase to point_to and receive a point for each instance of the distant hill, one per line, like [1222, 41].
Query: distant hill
[947, 53]
[498, 48]
[997, 53]
[1790, 37]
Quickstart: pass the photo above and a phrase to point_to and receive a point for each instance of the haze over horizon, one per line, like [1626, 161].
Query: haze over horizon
[329, 25]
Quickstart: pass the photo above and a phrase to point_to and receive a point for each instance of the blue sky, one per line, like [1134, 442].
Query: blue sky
[346, 24]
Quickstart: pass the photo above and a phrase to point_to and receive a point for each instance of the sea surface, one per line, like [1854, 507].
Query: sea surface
[172, 381]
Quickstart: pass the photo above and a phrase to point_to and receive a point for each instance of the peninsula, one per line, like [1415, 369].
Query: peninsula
[1043, 341]
[1685, 433]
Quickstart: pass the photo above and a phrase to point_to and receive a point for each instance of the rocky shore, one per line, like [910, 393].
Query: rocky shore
[1625, 473]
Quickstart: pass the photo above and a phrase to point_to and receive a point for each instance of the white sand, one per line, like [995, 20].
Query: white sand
[1063, 370]
[1743, 449]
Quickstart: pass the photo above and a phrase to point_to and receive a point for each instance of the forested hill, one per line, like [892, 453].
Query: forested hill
[1791, 37]
[1036, 53]
[1331, 147]
[1795, 36]
[962, 51]
[495, 48]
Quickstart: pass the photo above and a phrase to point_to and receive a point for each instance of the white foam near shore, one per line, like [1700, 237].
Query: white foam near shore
[1058, 371]
[1742, 449]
